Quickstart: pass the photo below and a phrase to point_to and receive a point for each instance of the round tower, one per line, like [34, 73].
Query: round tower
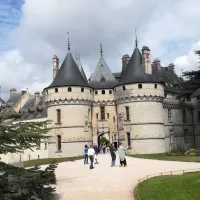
[139, 98]
[69, 99]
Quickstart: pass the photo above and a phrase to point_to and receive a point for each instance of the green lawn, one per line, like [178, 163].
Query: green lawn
[177, 187]
[46, 161]
[163, 156]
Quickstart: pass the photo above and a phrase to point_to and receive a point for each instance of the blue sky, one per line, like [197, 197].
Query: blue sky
[10, 14]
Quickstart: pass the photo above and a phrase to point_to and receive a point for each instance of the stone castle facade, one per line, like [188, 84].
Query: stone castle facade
[136, 106]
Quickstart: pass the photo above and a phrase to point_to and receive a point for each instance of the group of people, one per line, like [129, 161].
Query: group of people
[93, 151]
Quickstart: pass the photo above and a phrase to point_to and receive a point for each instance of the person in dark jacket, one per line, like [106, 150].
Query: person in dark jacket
[86, 154]
[96, 149]
[113, 154]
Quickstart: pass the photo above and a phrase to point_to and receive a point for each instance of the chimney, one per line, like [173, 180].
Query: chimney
[156, 62]
[37, 98]
[12, 91]
[146, 57]
[125, 60]
[171, 67]
[23, 92]
[55, 66]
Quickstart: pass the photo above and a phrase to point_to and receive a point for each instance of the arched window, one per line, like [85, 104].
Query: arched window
[56, 89]
[103, 92]
[156, 86]
[110, 91]
[140, 86]
[69, 89]
[124, 87]
[82, 89]
[96, 92]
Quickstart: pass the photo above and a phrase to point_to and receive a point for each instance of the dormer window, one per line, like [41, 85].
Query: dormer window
[124, 87]
[156, 86]
[103, 92]
[110, 91]
[69, 89]
[56, 90]
[102, 79]
[140, 86]
[82, 89]
[96, 92]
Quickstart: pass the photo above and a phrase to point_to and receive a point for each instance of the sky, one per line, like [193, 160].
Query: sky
[33, 31]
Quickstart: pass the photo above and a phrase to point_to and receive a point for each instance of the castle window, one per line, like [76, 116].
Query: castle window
[97, 115]
[140, 86]
[29, 157]
[115, 137]
[38, 157]
[102, 109]
[46, 91]
[124, 87]
[198, 116]
[103, 92]
[165, 95]
[56, 90]
[96, 92]
[38, 145]
[58, 116]
[110, 91]
[156, 86]
[69, 89]
[170, 116]
[129, 139]
[107, 115]
[82, 89]
[113, 118]
[90, 91]
[45, 146]
[127, 113]
[59, 143]
[184, 116]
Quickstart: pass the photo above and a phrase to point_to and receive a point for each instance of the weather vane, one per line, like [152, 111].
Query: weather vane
[68, 42]
[136, 42]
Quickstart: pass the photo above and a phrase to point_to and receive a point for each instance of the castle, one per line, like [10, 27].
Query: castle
[136, 106]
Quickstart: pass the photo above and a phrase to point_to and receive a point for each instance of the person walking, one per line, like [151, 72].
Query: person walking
[91, 153]
[96, 149]
[122, 158]
[86, 155]
[113, 154]
[104, 148]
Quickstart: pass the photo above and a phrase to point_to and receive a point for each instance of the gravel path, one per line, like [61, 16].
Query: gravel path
[75, 181]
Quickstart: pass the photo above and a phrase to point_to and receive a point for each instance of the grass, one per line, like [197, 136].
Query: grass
[177, 187]
[163, 156]
[46, 161]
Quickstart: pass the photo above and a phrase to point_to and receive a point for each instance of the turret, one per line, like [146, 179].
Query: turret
[68, 99]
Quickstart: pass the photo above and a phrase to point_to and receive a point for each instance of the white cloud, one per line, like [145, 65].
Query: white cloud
[188, 62]
[168, 28]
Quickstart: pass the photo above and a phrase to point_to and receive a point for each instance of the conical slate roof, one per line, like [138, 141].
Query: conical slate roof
[81, 70]
[69, 74]
[134, 71]
[102, 78]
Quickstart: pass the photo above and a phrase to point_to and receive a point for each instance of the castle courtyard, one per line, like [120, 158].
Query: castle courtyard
[75, 181]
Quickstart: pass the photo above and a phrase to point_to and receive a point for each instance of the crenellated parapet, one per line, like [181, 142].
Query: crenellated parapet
[139, 92]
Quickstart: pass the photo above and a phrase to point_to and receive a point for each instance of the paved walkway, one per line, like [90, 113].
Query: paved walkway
[75, 181]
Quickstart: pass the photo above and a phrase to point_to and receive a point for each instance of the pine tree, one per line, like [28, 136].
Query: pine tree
[19, 183]
[191, 83]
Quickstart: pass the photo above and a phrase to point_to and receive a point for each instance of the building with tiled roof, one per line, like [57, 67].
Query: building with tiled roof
[136, 106]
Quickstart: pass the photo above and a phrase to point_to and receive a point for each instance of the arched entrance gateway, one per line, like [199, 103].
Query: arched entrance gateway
[103, 138]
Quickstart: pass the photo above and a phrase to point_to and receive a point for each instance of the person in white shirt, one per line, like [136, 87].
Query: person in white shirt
[91, 153]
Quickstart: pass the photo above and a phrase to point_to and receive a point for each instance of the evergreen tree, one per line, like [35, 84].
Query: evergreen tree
[191, 82]
[18, 183]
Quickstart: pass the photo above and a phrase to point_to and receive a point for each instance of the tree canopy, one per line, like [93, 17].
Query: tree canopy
[191, 82]
[18, 183]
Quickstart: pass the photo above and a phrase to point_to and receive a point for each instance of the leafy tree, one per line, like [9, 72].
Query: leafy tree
[19, 183]
[103, 141]
[191, 83]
